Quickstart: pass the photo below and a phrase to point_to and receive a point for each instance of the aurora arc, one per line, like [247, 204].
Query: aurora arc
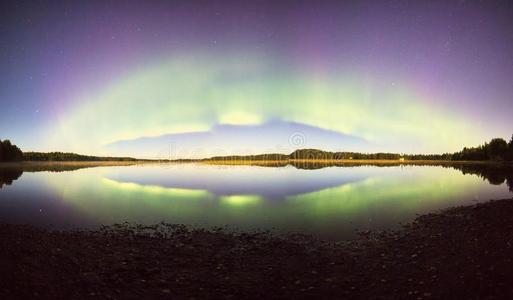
[413, 77]
[193, 93]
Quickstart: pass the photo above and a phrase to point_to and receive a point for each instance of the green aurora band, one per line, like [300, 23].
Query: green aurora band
[193, 93]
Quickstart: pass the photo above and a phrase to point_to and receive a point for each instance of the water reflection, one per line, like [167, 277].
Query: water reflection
[330, 202]
[269, 183]
[495, 173]
[9, 174]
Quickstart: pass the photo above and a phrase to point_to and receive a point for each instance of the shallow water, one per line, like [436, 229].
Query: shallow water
[329, 202]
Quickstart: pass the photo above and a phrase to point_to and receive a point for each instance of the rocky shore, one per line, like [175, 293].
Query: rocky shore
[459, 253]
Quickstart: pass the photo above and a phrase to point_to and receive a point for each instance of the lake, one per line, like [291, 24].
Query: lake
[328, 202]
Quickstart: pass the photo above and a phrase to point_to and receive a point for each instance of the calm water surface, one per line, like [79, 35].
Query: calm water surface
[330, 202]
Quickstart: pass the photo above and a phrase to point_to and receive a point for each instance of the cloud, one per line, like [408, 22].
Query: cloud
[270, 137]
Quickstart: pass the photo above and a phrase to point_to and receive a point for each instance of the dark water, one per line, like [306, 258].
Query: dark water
[328, 202]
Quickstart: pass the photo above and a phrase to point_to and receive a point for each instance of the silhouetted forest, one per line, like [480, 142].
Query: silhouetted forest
[270, 156]
[315, 154]
[63, 156]
[326, 155]
[495, 150]
[9, 152]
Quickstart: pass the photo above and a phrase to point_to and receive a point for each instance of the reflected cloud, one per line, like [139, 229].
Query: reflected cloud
[155, 189]
[265, 182]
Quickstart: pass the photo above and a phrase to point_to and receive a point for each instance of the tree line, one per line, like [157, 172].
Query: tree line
[65, 156]
[9, 152]
[326, 155]
[495, 150]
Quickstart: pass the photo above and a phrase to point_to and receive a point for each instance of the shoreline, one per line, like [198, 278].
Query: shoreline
[335, 162]
[250, 162]
[462, 252]
[73, 163]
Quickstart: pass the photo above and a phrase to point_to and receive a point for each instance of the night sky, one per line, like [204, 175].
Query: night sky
[406, 76]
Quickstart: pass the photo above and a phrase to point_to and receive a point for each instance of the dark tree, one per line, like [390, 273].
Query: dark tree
[497, 149]
[9, 152]
[509, 154]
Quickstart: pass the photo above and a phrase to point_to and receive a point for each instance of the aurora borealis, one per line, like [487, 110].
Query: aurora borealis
[406, 76]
